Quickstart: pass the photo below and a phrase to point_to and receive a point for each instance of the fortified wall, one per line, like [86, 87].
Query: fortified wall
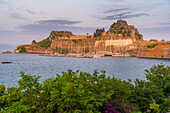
[118, 43]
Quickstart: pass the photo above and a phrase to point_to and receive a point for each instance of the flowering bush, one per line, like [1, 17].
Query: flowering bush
[83, 92]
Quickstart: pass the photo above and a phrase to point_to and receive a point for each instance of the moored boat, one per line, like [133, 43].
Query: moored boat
[5, 62]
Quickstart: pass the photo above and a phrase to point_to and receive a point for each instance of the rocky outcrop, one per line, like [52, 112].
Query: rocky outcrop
[121, 30]
[60, 34]
[7, 52]
[32, 49]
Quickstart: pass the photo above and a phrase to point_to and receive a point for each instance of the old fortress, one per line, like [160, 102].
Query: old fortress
[120, 39]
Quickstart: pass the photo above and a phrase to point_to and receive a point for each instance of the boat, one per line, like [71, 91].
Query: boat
[5, 62]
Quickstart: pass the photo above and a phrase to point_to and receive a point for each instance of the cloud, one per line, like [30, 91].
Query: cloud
[30, 12]
[40, 30]
[156, 33]
[5, 32]
[34, 12]
[17, 16]
[58, 22]
[124, 15]
[6, 47]
[2, 2]
[116, 10]
[49, 25]
[166, 23]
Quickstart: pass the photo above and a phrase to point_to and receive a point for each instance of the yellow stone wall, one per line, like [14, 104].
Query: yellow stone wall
[122, 42]
[80, 36]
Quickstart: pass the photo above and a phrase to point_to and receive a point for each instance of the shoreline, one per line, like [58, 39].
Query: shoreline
[91, 55]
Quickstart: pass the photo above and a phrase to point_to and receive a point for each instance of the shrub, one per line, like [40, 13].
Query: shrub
[45, 43]
[84, 92]
[74, 41]
[99, 32]
[153, 95]
[152, 45]
[86, 49]
[34, 42]
[22, 49]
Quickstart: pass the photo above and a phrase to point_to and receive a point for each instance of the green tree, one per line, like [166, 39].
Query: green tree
[86, 49]
[22, 49]
[74, 41]
[99, 32]
[34, 42]
[153, 95]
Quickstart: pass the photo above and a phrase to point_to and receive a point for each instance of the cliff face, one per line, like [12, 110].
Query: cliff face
[155, 50]
[121, 30]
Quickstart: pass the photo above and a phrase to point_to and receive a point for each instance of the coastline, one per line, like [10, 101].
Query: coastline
[93, 55]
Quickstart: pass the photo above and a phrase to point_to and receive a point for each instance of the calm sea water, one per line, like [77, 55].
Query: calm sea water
[124, 68]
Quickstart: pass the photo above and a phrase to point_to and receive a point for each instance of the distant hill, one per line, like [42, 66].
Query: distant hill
[6, 47]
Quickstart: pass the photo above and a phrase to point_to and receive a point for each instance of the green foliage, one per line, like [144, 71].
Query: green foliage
[71, 92]
[62, 50]
[152, 40]
[130, 50]
[74, 41]
[123, 34]
[88, 37]
[128, 34]
[86, 49]
[22, 49]
[34, 42]
[58, 49]
[99, 32]
[154, 108]
[153, 92]
[152, 45]
[119, 32]
[159, 76]
[112, 26]
[45, 43]
[121, 27]
[53, 37]
[81, 92]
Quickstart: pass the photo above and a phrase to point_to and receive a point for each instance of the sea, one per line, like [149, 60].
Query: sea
[46, 66]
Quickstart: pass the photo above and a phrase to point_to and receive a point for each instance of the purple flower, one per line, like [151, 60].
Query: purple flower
[111, 109]
[106, 111]
[133, 111]
[116, 112]
[41, 110]
[59, 111]
[109, 104]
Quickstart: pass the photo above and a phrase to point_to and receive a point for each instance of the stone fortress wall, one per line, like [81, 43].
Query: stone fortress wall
[118, 43]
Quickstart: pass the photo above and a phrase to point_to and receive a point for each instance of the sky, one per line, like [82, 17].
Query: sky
[22, 21]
